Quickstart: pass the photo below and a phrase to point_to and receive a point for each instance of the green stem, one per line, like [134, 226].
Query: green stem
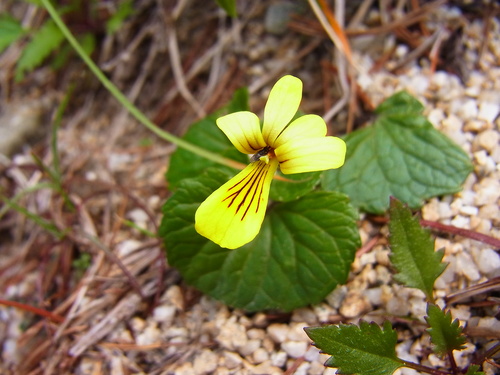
[45, 224]
[125, 102]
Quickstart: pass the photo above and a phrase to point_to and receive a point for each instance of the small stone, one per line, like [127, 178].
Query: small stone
[250, 347]
[232, 360]
[232, 335]
[278, 359]
[180, 334]
[484, 164]
[480, 225]
[436, 116]
[185, 369]
[150, 335]
[469, 210]
[489, 322]
[335, 298]
[295, 349]
[490, 211]
[468, 109]
[264, 368]
[278, 332]
[488, 140]
[444, 210]
[461, 313]
[374, 295]
[467, 267]
[418, 307]
[175, 297]
[255, 333]
[205, 362]
[488, 111]
[354, 305]
[260, 355]
[397, 306]
[488, 261]
[305, 315]
[296, 332]
[475, 126]
[164, 314]
[430, 211]
[488, 191]
[312, 354]
[137, 324]
[460, 221]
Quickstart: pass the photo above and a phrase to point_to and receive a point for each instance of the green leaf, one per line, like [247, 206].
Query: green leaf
[445, 334]
[413, 252]
[229, 6]
[474, 370]
[38, 3]
[46, 40]
[363, 350]
[10, 31]
[304, 249]
[125, 9]
[400, 155]
[302, 184]
[205, 133]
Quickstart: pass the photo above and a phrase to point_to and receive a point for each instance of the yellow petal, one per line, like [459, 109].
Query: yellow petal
[308, 126]
[243, 130]
[311, 154]
[281, 106]
[232, 215]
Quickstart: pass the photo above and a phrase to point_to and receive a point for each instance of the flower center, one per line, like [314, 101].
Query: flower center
[266, 151]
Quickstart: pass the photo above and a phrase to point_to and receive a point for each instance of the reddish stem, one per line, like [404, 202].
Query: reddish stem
[462, 232]
[35, 310]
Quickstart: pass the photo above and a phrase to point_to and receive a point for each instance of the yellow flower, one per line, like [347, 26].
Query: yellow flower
[233, 214]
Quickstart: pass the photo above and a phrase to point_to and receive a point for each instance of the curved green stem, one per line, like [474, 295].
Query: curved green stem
[127, 103]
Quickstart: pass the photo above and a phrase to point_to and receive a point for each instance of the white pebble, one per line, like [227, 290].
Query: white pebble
[205, 362]
[295, 349]
[250, 347]
[164, 314]
[468, 109]
[467, 267]
[374, 295]
[489, 322]
[397, 306]
[260, 355]
[150, 335]
[488, 111]
[444, 210]
[312, 354]
[232, 360]
[296, 332]
[278, 332]
[469, 210]
[488, 140]
[278, 359]
[488, 261]
[461, 221]
[436, 116]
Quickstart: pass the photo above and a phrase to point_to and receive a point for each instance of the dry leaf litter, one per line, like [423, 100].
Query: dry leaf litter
[110, 329]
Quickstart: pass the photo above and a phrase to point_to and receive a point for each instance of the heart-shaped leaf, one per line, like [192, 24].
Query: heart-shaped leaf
[400, 155]
[304, 249]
